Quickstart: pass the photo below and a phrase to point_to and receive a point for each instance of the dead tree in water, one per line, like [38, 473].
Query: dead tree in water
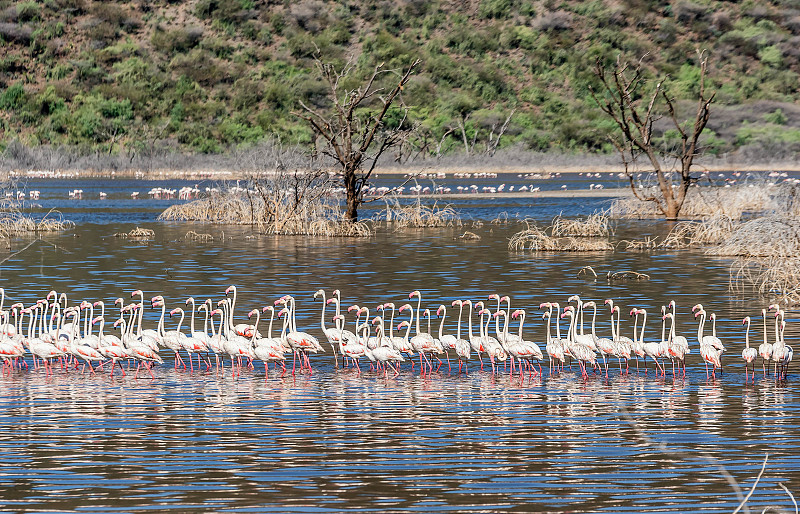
[635, 114]
[355, 134]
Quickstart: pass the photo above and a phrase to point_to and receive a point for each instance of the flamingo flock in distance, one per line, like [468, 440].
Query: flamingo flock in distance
[60, 335]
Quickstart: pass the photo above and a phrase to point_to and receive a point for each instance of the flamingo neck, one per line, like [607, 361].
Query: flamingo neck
[747, 335]
[419, 306]
[322, 316]
[644, 321]
[192, 318]
[255, 327]
[458, 327]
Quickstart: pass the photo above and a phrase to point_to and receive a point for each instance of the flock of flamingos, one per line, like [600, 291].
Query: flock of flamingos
[63, 335]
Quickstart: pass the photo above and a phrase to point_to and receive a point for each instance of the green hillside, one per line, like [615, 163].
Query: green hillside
[209, 75]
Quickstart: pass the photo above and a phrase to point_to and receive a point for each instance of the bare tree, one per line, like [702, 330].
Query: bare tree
[635, 113]
[355, 137]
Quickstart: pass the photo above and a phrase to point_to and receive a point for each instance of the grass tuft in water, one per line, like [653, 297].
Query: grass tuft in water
[419, 215]
[582, 235]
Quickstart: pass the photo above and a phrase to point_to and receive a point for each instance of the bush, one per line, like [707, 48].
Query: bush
[199, 67]
[13, 97]
[28, 11]
[553, 21]
[178, 40]
[15, 33]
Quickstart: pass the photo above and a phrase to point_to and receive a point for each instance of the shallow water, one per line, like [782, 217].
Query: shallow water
[337, 439]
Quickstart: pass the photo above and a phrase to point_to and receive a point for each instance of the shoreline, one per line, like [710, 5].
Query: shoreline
[223, 174]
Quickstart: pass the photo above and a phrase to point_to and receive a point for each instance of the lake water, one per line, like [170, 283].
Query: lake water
[336, 440]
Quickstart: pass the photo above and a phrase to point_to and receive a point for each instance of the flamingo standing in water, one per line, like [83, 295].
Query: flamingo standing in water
[267, 351]
[422, 342]
[778, 347]
[384, 354]
[748, 354]
[553, 347]
[332, 335]
[765, 348]
[528, 350]
[651, 349]
[140, 353]
[708, 352]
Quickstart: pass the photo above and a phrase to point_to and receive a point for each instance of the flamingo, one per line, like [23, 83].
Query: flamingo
[331, 334]
[553, 347]
[491, 345]
[448, 341]
[241, 329]
[113, 352]
[461, 346]
[475, 342]
[171, 340]
[582, 353]
[748, 354]
[528, 350]
[675, 345]
[268, 351]
[778, 346]
[708, 352]
[604, 345]
[38, 347]
[82, 351]
[765, 348]
[651, 349]
[140, 353]
[384, 354]
[352, 348]
[190, 344]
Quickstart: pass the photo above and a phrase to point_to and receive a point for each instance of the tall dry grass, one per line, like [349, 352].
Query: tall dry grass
[594, 225]
[767, 256]
[278, 203]
[589, 234]
[419, 215]
[15, 221]
[755, 196]
[712, 230]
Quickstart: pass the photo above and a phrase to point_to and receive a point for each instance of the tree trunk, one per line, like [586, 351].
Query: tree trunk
[353, 200]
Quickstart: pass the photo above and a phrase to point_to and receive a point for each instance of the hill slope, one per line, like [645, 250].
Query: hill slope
[206, 75]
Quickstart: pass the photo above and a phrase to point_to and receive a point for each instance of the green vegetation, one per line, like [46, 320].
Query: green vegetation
[211, 75]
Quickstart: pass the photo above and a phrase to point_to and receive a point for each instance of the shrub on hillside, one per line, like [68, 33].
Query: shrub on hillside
[179, 40]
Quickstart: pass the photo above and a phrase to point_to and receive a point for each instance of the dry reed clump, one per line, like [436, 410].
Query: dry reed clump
[768, 257]
[194, 236]
[138, 232]
[536, 239]
[777, 278]
[702, 202]
[470, 236]
[276, 207]
[713, 230]
[594, 225]
[770, 236]
[564, 235]
[417, 215]
[641, 245]
[15, 222]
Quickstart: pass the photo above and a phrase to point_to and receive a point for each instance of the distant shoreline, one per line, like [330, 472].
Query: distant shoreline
[545, 171]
